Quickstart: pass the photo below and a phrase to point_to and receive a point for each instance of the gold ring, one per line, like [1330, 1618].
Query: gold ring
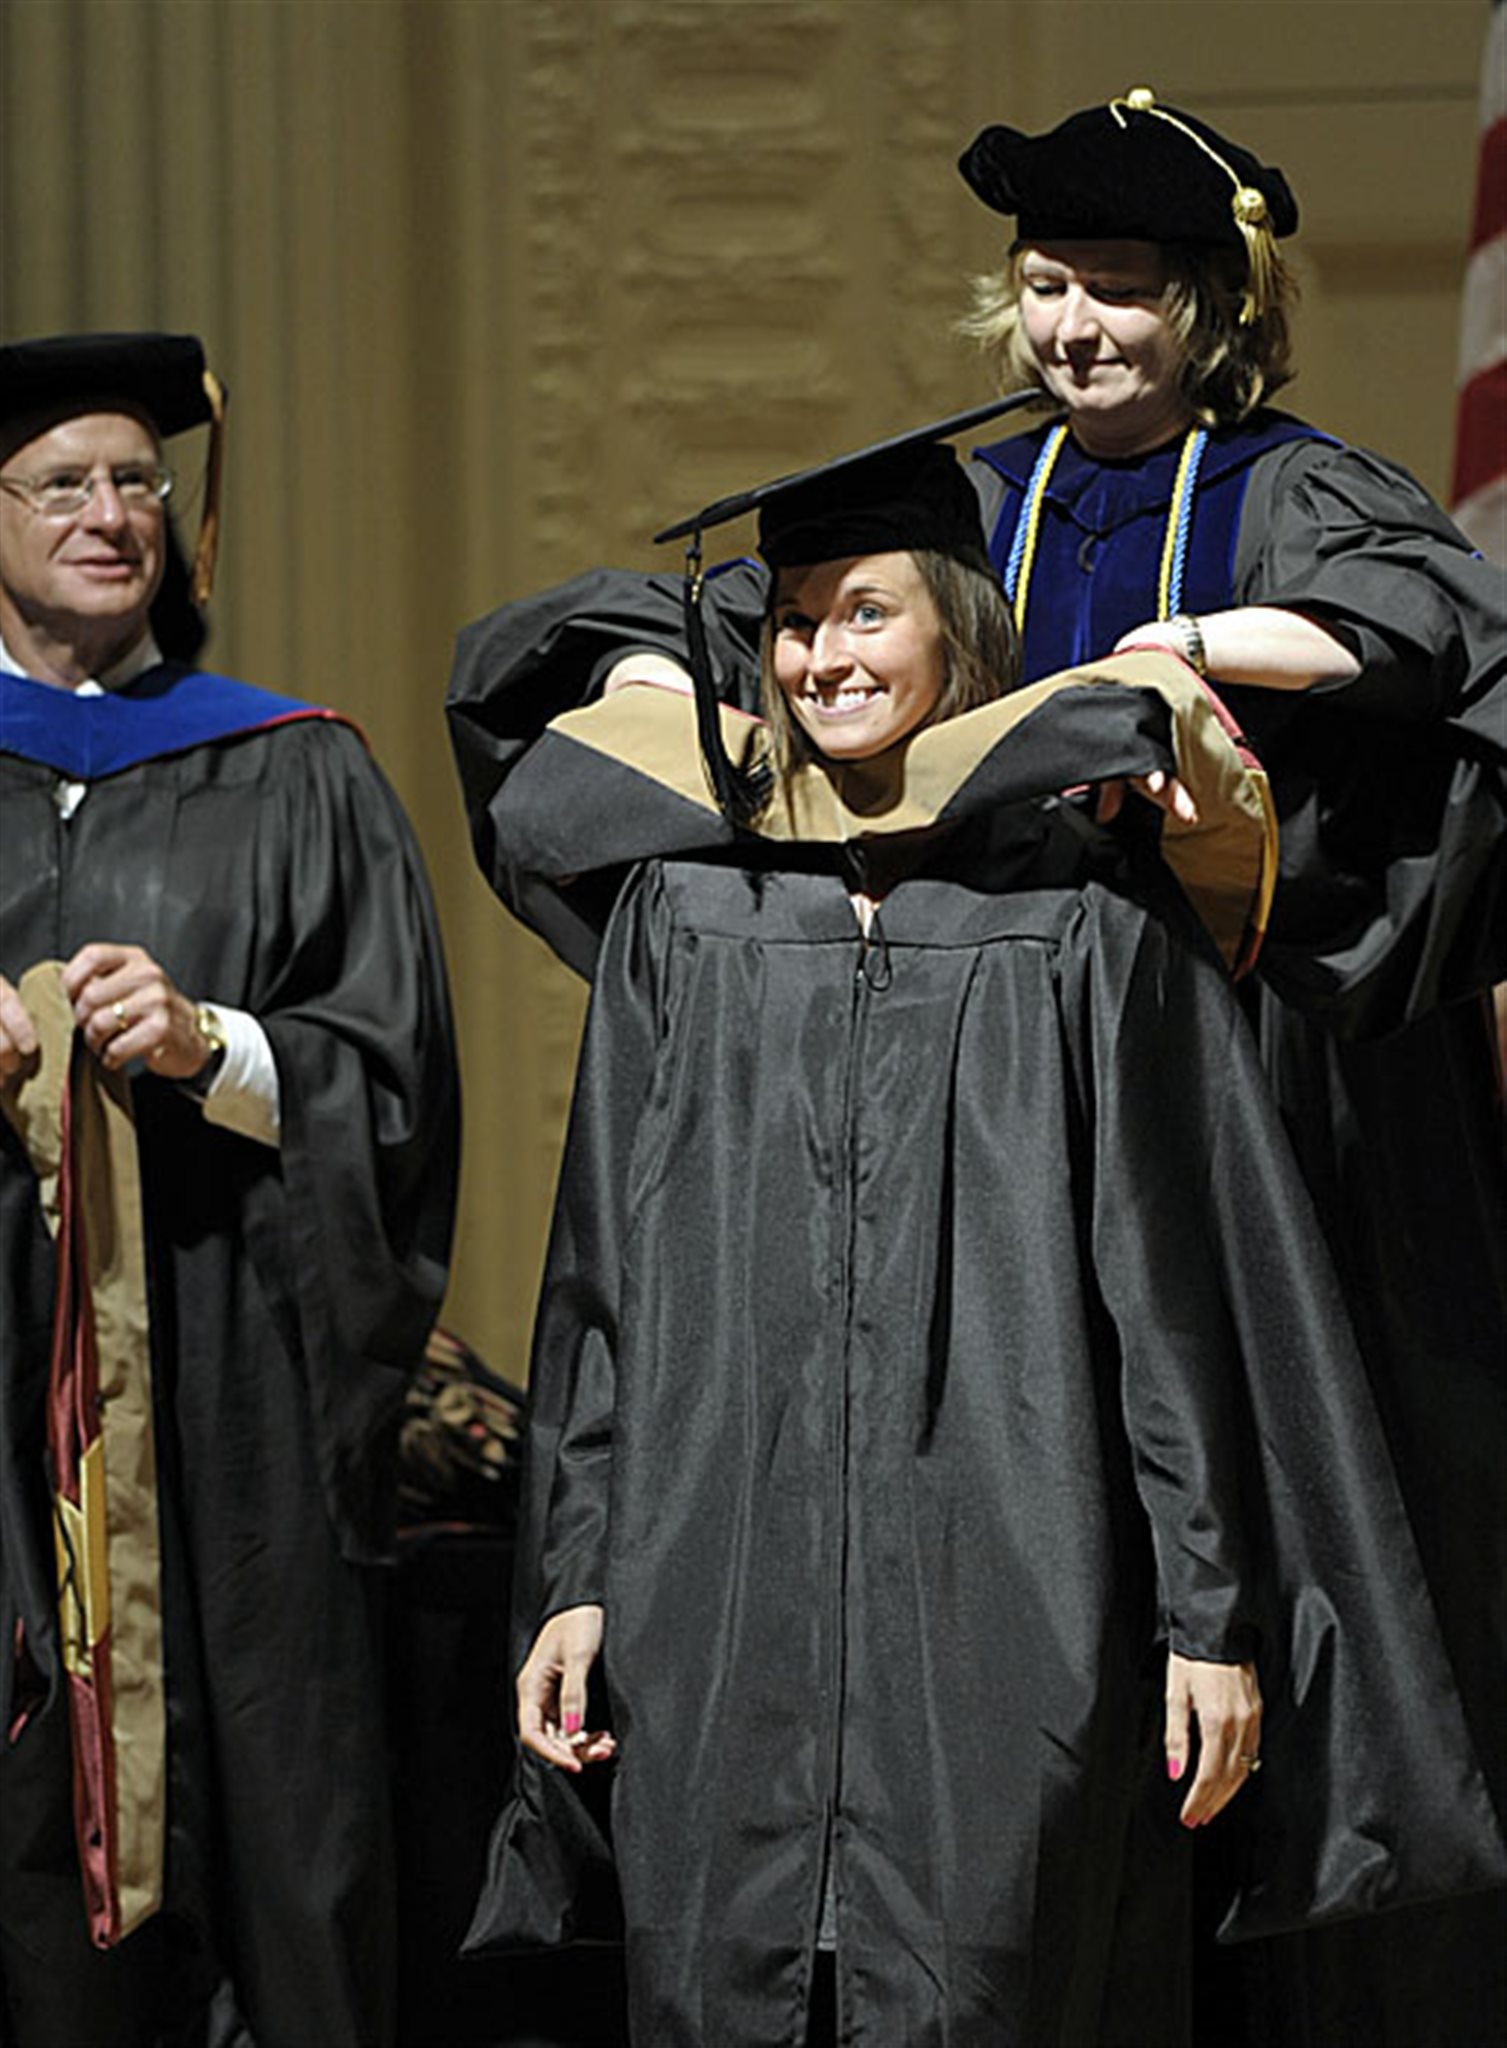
[118, 1011]
[1252, 1763]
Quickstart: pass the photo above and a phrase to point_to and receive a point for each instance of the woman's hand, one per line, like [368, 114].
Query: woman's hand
[552, 1691]
[656, 669]
[1159, 788]
[1225, 1701]
[128, 1009]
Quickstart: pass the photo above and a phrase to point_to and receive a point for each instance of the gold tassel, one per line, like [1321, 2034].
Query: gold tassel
[203, 573]
[1255, 224]
[1248, 206]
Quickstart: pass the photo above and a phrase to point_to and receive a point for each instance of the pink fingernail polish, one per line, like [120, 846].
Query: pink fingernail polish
[1174, 1768]
[572, 1724]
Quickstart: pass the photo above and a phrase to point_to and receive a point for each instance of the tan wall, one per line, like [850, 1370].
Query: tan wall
[500, 284]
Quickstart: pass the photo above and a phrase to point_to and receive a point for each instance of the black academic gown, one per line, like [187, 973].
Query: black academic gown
[1390, 918]
[934, 1328]
[291, 1292]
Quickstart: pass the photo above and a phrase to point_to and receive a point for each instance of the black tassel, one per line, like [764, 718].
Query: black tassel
[740, 796]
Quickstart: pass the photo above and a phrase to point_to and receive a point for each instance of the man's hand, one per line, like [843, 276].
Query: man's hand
[128, 1009]
[18, 1035]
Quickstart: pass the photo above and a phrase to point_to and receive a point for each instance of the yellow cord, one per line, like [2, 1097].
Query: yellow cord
[1169, 539]
[1033, 521]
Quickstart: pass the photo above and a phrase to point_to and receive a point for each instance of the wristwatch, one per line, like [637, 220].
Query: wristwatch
[212, 1031]
[1190, 632]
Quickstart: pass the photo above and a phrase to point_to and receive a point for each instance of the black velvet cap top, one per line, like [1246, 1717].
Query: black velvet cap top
[1131, 170]
[160, 375]
[905, 492]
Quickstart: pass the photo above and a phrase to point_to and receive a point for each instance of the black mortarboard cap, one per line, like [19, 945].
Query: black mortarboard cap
[913, 497]
[1135, 171]
[165, 378]
[905, 492]
[894, 480]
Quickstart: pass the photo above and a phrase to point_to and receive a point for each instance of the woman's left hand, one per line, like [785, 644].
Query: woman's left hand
[1225, 1701]
[657, 670]
[552, 1691]
[1262, 645]
[1159, 788]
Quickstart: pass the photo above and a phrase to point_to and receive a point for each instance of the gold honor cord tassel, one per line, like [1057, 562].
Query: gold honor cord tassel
[1248, 207]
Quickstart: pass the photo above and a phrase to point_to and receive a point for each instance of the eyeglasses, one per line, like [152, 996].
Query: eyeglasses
[63, 492]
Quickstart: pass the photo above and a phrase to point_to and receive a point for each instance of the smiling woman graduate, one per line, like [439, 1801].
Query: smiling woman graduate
[947, 1447]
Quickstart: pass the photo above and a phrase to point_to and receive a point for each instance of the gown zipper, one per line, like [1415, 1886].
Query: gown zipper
[872, 975]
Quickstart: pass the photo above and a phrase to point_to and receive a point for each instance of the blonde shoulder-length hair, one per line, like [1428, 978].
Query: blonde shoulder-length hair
[1227, 370]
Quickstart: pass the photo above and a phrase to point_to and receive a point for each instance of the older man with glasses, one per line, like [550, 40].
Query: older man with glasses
[227, 1162]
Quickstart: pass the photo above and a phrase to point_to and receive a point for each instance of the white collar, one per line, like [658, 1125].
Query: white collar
[144, 655]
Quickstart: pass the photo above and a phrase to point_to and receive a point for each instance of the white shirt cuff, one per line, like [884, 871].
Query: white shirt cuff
[243, 1096]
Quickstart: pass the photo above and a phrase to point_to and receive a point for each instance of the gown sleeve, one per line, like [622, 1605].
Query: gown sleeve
[1357, 542]
[524, 664]
[572, 1374]
[1278, 1526]
[352, 1235]
[1392, 788]
[548, 1862]
[1156, 1257]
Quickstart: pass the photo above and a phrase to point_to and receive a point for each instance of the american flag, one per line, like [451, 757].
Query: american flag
[1479, 493]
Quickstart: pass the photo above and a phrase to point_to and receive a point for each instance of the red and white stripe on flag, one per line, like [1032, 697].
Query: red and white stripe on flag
[1479, 495]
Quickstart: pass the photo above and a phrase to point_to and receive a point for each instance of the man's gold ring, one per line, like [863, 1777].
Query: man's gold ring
[118, 1012]
[1252, 1763]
